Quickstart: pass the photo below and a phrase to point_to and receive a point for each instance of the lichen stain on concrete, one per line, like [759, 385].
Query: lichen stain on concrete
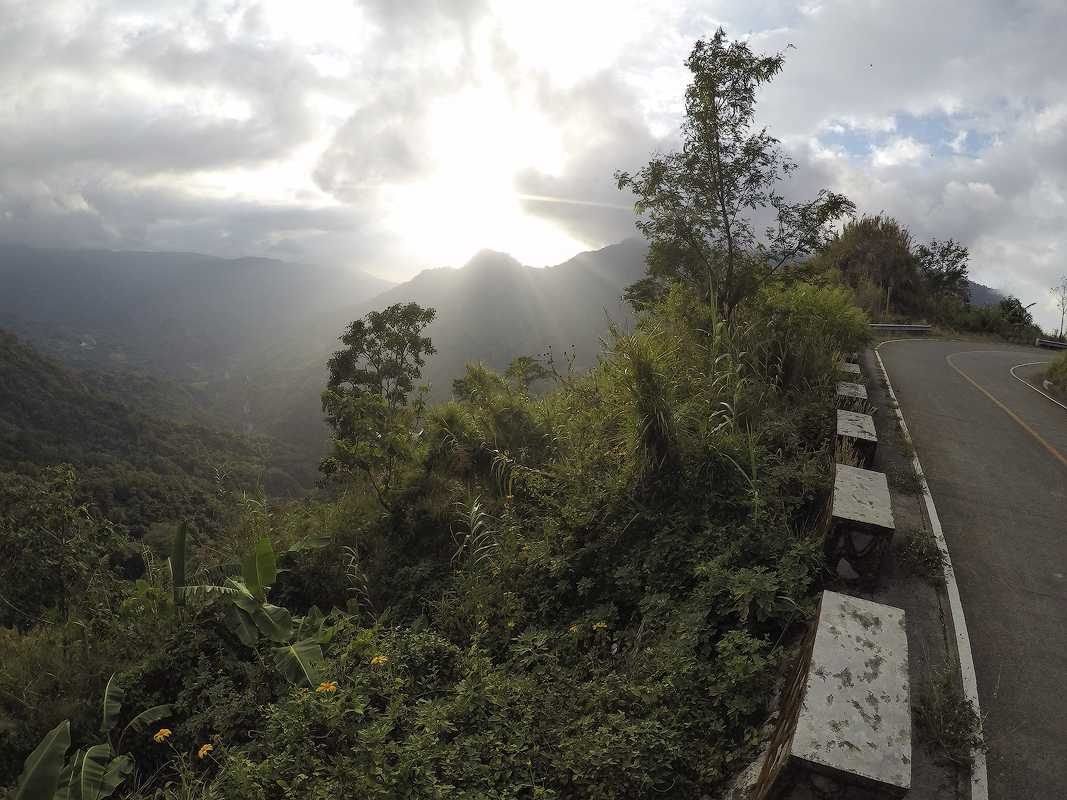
[874, 721]
[874, 668]
[844, 678]
[870, 622]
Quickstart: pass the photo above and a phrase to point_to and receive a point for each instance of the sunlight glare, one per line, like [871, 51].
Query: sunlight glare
[468, 203]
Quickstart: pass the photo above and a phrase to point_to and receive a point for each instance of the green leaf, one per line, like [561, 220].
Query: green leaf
[260, 569]
[91, 778]
[115, 773]
[177, 563]
[113, 695]
[274, 622]
[40, 773]
[297, 663]
[146, 717]
[240, 622]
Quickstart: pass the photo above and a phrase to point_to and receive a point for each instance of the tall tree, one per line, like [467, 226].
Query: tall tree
[944, 269]
[370, 383]
[1059, 293]
[697, 202]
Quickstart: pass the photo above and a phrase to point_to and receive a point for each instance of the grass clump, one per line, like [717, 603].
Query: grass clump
[920, 556]
[946, 720]
[906, 479]
[1056, 372]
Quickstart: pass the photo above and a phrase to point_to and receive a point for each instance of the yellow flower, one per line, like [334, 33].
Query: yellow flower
[511, 624]
[207, 748]
[574, 628]
[328, 686]
[599, 625]
[161, 734]
[379, 659]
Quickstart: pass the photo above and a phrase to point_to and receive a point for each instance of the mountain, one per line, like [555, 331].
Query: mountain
[184, 315]
[983, 295]
[244, 342]
[493, 309]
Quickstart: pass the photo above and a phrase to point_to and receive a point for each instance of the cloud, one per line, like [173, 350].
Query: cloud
[602, 132]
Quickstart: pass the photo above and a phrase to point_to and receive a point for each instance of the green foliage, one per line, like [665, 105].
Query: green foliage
[696, 200]
[943, 266]
[1056, 372]
[134, 469]
[53, 553]
[383, 355]
[370, 381]
[877, 252]
[40, 775]
[945, 719]
[93, 772]
[920, 556]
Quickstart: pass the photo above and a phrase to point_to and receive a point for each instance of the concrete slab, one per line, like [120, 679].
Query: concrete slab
[861, 525]
[844, 729]
[861, 498]
[859, 431]
[855, 722]
[850, 369]
[851, 393]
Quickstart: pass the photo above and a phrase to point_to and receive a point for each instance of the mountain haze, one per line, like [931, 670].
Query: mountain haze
[184, 315]
[493, 309]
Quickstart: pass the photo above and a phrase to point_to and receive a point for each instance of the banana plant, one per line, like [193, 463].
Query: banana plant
[248, 614]
[92, 773]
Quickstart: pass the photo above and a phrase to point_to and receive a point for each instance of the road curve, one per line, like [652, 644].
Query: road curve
[994, 452]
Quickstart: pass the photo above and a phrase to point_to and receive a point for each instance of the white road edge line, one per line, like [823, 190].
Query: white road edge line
[1024, 383]
[979, 779]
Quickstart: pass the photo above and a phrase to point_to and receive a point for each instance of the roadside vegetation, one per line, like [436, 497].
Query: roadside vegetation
[1056, 372]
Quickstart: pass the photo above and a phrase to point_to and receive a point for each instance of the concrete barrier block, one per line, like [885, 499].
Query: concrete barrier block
[858, 431]
[846, 712]
[861, 524]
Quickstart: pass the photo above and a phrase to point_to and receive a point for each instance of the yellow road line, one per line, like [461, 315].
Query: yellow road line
[1010, 413]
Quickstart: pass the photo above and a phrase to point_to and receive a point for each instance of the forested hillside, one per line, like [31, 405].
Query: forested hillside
[134, 468]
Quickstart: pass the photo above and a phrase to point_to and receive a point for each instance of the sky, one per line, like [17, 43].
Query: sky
[396, 135]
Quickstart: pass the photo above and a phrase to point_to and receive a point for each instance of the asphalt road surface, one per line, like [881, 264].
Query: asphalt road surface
[994, 453]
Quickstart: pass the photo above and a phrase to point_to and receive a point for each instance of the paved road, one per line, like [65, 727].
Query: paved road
[1000, 486]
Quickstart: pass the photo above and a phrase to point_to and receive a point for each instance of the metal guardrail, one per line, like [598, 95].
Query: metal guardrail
[1050, 344]
[899, 327]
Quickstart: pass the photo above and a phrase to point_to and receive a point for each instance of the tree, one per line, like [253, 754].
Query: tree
[944, 269]
[696, 200]
[384, 354]
[1059, 293]
[367, 394]
[877, 251]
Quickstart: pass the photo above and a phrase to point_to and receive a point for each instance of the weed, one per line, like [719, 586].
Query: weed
[906, 447]
[946, 720]
[906, 480]
[920, 556]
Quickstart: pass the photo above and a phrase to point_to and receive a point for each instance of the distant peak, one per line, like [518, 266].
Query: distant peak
[491, 259]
